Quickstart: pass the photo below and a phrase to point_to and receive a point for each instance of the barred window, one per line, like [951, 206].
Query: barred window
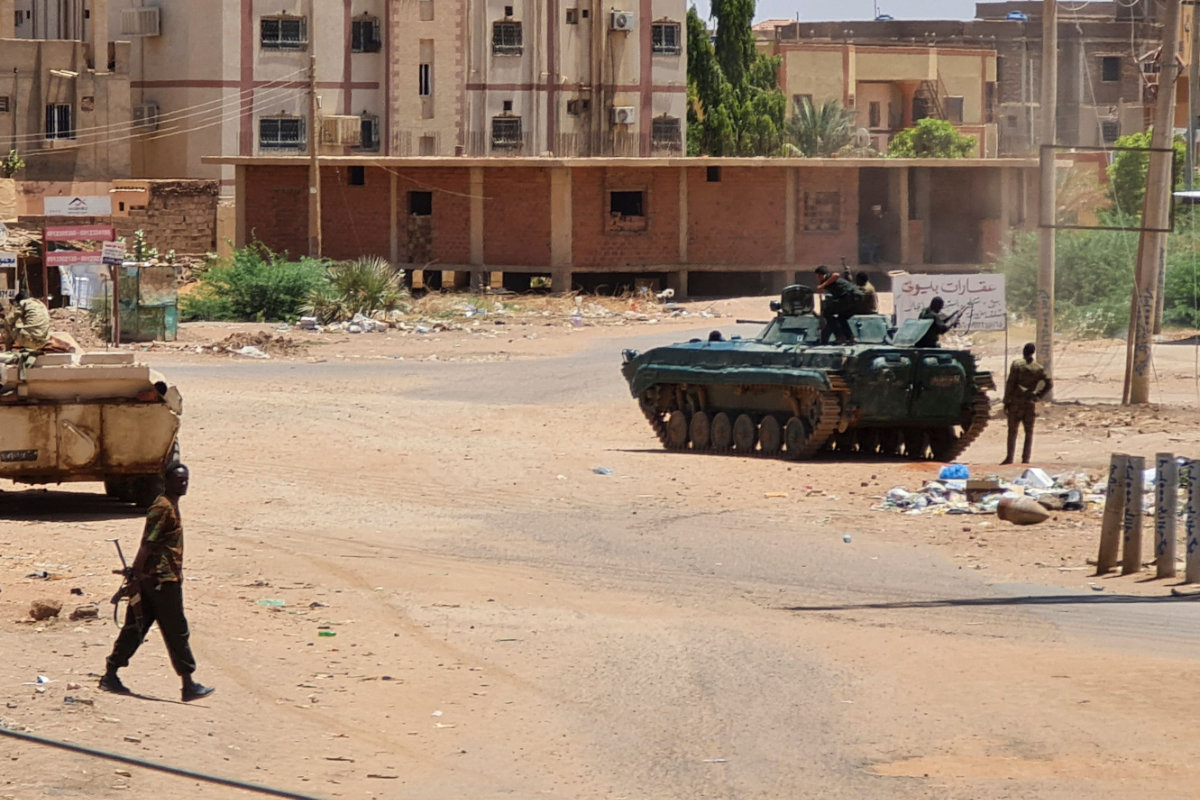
[58, 121]
[365, 35]
[664, 38]
[281, 133]
[369, 126]
[283, 33]
[665, 133]
[506, 38]
[506, 132]
[4, 103]
[1110, 129]
[822, 211]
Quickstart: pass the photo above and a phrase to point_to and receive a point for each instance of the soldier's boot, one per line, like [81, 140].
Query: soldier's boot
[1027, 449]
[194, 691]
[111, 683]
[1012, 446]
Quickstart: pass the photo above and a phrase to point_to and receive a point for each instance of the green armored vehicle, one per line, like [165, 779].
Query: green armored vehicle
[782, 394]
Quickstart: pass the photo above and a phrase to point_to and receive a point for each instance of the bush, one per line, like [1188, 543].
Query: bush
[255, 284]
[931, 138]
[1127, 173]
[367, 286]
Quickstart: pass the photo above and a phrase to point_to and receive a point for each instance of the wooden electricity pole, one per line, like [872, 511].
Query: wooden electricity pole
[1152, 245]
[314, 169]
[1048, 105]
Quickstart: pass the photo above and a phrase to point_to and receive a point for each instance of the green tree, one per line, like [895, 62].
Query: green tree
[820, 132]
[735, 105]
[931, 138]
[1127, 173]
[11, 164]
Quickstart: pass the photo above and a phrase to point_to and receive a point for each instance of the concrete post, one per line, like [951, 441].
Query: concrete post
[1131, 555]
[1166, 492]
[1192, 569]
[1114, 511]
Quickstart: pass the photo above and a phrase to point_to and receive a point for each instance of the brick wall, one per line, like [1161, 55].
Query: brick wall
[277, 208]
[828, 247]
[354, 219]
[738, 219]
[516, 216]
[596, 244]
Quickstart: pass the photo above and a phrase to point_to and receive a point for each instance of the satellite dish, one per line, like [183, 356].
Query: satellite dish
[862, 138]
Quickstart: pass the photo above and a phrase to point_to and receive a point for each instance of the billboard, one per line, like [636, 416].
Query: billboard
[981, 295]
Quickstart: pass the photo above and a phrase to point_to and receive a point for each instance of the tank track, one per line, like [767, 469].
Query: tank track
[826, 424]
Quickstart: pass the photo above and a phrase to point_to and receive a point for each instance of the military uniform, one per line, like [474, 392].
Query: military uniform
[869, 303]
[157, 596]
[842, 299]
[1027, 383]
[939, 326]
[28, 324]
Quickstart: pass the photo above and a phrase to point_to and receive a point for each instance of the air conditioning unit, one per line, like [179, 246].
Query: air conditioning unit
[340, 129]
[622, 21]
[624, 115]
[141, 21]
[145, 115]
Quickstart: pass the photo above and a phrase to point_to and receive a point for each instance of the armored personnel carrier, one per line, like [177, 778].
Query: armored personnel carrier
[88, 417]
[781, 394]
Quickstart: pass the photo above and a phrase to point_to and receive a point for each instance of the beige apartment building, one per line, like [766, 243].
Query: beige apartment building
[64, 93]
[575, 77]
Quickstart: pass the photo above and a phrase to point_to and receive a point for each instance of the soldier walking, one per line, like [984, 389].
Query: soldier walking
[155, 591]
[1027, 383]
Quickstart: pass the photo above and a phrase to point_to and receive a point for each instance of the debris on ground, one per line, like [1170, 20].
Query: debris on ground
[79, 323]
[44, 609]
[1069, 491]
[262, 344]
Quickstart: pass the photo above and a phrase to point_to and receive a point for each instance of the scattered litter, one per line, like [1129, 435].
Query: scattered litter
[602, 471]
[133, 739]
[772, 495]
[250, 351]
[326, 633]
[954, 471]
[73, 687]
[437, 714]
[1068, 491]
[75, 590]
[271, 602]
[318, 604]
[82, 701]
[1036, 478]
[381, 776]
[90, 611]
[1021, 510]
[846, 538]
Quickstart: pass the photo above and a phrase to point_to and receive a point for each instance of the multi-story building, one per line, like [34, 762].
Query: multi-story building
[64, 92]
[891, 87]
[1101, 81]
[575, 77]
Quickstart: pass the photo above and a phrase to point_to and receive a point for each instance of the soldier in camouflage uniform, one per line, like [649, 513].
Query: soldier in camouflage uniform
[156, 592]
[1027, 383]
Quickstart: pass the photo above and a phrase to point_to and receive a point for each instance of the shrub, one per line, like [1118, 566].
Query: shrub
[254, 284]
[368, 285]
[931, 138]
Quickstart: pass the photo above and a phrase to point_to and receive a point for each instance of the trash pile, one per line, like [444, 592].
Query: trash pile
[955, 492]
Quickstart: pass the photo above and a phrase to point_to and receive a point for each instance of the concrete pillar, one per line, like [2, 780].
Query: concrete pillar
[901, 208]
[683, 225]
[476, 224]
[561, 219]
[393, 218]
[98, 21]
[678, 282]
[560, 280]
[7, 8]
[227, 227]
[239, 195]
[789, 216]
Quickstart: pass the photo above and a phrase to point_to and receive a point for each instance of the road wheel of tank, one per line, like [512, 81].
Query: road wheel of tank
[943, 443]
[116, 487]
[721, 432]
[770, 435]
[699, 430]
[916, 443]
[745, 434]
[795, 436]
[677, 430]
[868, 441]
[889, 442]
[145, 489]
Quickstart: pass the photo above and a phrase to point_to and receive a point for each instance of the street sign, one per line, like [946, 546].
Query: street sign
[100, 206]
[113, 253]
[65, 258]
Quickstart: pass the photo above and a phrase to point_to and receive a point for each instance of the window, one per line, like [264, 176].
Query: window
[713, 174]
[3, 103]
[424, 80]
[989, 101]
[369, 132]
[873, 114]
[427, 146]
[1109, 130]
[627, 204]
[356, 176]
[580, 105]
[664, 38]
[506, 38]
[507, 106]
[822, 211]
[572, 16]
[1110, 69]
[283, 33]
[58, 122]
[665, 133]
[954, 109]
[506, 132]
[281, 133]
[420, 204]
[364, 35]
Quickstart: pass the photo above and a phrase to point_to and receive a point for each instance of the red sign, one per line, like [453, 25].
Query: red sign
[62, 258]
[87, 233]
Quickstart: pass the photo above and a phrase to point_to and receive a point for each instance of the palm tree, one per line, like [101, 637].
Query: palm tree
[820, 132]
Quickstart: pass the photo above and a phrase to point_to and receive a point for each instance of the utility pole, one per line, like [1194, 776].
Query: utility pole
[1047, 197]
[1193, 97]
[1152, 244]
[314, 161]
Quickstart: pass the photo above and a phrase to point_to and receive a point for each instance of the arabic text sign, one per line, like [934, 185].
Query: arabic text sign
[63, 258]
[99, 206]
[8, 275]
[983, 295]
[86, 233]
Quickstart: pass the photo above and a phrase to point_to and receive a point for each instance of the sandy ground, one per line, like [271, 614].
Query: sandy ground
[507, 621]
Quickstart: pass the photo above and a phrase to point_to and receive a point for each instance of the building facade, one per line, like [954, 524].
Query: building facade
[1101, 85]
[64, 93]
[891, 87]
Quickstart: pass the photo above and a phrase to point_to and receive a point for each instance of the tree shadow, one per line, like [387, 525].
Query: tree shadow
[1021, 600]
[55, 505]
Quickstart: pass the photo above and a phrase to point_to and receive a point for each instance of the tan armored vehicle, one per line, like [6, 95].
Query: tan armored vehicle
[89, 417]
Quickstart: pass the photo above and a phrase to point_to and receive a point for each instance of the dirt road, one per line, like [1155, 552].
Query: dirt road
[508, 621]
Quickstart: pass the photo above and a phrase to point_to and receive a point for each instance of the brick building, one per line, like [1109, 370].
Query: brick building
[699, 226]
[1101, 88]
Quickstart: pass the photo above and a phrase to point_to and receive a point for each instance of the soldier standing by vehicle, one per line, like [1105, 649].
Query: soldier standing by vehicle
[869, 304]
[940, 322]
[839, 304]
[155, 591]
[1027, 383]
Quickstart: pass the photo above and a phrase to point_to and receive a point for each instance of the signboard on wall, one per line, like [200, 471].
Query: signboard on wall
[92, 206]
[8, 275]
[981, 295]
